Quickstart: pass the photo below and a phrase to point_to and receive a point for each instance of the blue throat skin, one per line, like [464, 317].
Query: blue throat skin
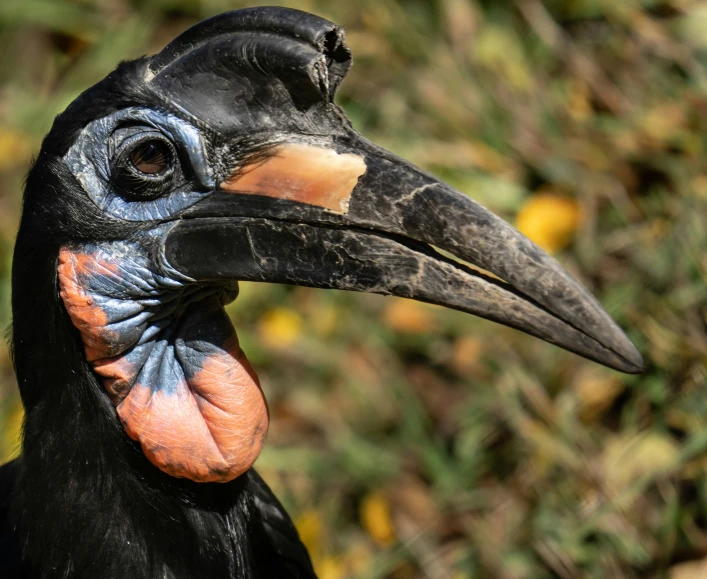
[168, 357]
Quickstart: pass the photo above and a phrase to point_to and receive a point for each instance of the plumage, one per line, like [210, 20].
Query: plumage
[222, 158]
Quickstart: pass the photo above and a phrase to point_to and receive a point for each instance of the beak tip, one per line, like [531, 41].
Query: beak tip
[638, 366]
[632, 360]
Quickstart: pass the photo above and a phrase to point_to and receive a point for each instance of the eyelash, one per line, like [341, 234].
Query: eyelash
[130, 181]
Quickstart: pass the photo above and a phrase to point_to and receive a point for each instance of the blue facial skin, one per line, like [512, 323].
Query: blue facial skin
[152, 320]
[161, 343]
[89, 159]
[144, 300]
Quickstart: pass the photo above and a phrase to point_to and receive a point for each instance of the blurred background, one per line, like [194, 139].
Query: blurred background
[408, 441]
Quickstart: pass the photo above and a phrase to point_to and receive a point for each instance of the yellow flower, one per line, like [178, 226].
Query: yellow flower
[550, 220]
[628, 458]
[408, 316]
[466, 354]
[309, 526]
[11, 433]
[15, 148]
[689, 570]
[375, 518]
[596, 391]
[330, 568]
[280, 328]
[578, 102]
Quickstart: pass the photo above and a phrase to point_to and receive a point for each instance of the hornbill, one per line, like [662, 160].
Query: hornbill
[221, 158]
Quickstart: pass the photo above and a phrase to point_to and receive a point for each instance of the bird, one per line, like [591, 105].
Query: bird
[222, 158]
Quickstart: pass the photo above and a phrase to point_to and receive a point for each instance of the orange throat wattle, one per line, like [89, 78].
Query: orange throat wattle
[180, 382]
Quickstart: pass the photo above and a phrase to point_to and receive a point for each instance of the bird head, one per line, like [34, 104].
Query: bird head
[224, 158]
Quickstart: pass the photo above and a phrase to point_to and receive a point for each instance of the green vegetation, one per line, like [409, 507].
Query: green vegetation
[410, 441]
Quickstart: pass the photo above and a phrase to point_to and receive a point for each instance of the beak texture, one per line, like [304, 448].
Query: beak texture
[267, 225]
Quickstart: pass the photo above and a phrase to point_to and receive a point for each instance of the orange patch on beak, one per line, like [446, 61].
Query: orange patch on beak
[303, 173]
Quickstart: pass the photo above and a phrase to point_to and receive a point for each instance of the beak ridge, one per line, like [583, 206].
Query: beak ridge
[422, 208]
[385, 240]
[461, 226]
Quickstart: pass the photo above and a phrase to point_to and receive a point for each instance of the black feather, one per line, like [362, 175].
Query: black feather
[82, 501]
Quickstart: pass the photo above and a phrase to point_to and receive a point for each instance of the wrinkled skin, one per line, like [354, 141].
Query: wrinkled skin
[169, 359]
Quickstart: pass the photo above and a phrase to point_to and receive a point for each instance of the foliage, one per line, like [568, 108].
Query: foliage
[410, 441]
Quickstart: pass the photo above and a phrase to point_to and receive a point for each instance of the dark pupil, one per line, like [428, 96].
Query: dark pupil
[151, 157]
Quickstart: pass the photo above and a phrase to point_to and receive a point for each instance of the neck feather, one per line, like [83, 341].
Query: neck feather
[87, 501]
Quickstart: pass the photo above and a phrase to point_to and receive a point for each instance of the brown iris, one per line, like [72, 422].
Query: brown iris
[151, 157]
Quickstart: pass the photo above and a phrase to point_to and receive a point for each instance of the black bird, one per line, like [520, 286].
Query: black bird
[222, 158]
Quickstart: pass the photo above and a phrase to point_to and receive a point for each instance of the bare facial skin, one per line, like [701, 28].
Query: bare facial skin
[191, 400]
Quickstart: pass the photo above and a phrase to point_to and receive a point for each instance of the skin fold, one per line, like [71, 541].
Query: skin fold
[180, 382]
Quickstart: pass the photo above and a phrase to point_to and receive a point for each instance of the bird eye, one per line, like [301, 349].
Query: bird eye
[145, 164]
[151, 157]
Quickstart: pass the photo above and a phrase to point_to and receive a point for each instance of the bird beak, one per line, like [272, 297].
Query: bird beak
[346, 214]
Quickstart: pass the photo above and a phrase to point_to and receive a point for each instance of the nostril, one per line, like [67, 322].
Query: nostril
[334, 48]
[338, 59]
